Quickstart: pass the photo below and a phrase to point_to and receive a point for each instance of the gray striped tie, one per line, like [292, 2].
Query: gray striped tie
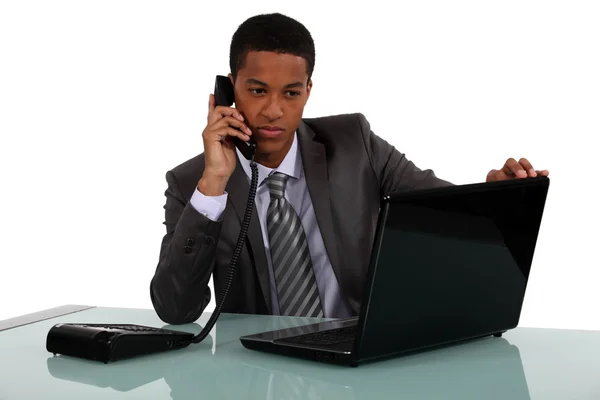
[292, 266]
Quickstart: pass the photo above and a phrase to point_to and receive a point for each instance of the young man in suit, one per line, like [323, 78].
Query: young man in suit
[316, 208]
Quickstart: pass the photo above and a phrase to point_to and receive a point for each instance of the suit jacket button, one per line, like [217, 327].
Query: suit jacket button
[190, 241]
[209, 239]
[188, 249]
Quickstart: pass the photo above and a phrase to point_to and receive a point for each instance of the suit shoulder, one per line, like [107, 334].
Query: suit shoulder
[330, 129]
[336, 121]
[190, 170]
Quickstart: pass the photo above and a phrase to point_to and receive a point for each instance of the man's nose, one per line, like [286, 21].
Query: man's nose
[272, 109]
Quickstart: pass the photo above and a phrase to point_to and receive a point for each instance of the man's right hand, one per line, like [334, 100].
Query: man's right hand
[219, 150]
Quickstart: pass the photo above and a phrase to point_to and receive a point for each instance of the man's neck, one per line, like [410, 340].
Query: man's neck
[273, 160]
[290, 164]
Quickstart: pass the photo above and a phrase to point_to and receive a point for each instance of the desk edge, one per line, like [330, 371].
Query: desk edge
[41, 315]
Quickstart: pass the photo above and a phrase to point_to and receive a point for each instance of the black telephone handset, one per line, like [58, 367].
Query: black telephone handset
[110, 342]
[224, 96]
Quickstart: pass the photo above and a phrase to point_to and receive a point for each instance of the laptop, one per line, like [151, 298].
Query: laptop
[448, 265]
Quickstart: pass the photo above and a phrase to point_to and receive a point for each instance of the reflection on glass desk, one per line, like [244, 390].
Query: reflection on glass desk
[524, 364]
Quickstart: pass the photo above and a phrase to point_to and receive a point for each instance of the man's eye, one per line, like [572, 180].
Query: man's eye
[293, 94]
[257, 91]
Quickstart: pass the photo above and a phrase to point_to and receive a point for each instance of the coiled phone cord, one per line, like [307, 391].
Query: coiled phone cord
[236, 254]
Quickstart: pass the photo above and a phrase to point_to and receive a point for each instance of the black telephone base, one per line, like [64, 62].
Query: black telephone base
[111, 342]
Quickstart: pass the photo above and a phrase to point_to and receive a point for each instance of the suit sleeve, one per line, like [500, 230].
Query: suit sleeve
[179, 289]
[394, 171]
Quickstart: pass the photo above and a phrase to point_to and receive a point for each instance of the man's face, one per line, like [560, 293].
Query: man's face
[271, 91]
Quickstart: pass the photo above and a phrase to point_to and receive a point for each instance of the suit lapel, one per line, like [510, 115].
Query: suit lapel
[315, 169]
[238, 188]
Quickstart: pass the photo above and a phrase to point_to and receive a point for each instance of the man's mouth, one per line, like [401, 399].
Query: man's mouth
[270, 130]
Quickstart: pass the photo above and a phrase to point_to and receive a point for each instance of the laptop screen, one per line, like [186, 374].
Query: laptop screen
[452, 263]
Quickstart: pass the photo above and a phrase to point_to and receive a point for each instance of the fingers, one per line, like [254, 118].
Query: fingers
[211, 104]
[228, 126]
[513, 168]
[230, 121]
[528, 167]
[218, 112]
[496, 175]
[225, 133]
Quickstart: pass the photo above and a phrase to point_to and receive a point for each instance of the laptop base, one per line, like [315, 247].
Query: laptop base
[299, 352]
[330, 356]
[285, 342]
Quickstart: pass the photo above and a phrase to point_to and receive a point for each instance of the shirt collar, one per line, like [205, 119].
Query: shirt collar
[289, 166]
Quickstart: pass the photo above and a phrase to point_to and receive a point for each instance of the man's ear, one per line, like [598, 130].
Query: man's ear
[308, 88]
[231, 79]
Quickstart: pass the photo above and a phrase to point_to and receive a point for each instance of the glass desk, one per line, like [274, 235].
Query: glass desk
[525, 363]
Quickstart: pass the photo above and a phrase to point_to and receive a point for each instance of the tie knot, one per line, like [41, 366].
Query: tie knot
[276, 184]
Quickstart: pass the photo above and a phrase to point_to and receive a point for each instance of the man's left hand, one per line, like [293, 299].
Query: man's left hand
[514, 169]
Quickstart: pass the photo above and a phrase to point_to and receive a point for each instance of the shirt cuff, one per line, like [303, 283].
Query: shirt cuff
[210, 206]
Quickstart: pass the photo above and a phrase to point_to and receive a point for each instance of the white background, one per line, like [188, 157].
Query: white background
[99, 99]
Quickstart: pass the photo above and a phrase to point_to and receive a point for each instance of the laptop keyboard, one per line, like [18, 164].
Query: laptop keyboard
[325, 338]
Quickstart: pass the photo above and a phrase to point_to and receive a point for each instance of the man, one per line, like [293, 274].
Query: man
[317, 203]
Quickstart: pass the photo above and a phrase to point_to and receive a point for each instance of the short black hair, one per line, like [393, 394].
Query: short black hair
[271, 32]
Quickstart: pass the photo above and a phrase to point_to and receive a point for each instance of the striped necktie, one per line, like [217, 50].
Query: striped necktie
[292, 266]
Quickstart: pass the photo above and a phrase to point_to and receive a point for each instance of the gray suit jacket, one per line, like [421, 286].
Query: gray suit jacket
[348, 169]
